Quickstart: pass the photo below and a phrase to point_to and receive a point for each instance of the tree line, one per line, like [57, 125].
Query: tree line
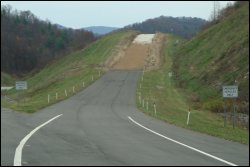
[186, 27]
[28, 43]
[219, 14]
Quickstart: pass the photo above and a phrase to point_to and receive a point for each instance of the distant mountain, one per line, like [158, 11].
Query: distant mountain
[100, 30]
[182, 26]
[60, 26]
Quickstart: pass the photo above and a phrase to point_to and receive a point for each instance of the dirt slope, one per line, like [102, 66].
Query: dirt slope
[142, 53]
[134, 57]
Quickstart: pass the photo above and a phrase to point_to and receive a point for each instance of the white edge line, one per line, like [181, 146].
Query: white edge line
[192, 148]
[18, 153]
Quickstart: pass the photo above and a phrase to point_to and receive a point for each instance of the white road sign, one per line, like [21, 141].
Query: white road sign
[21, 85]
[230, 91]
[170, 74]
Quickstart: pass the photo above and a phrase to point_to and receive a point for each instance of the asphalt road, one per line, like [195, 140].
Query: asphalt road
[95, 130]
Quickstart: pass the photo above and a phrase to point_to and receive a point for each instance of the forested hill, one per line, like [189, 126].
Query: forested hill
[182, 26]
[28, 43]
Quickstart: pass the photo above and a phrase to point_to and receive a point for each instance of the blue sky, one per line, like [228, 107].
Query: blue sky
[79, 14]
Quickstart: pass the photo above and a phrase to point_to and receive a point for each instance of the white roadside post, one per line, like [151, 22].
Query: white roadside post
[73, 89]
[83, 84]
[56, 95]
[188, 116]
[147, 105]
[140, 99]
[143, 72]
[155, 108]
[48, 98]
[92, 78]
[65, 93]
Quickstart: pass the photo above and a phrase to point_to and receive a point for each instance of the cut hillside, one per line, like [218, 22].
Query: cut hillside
[191, 76]
[66, 76]
[143, 53]
[217, 56]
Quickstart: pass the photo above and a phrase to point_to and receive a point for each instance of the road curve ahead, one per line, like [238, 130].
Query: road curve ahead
[101, 126]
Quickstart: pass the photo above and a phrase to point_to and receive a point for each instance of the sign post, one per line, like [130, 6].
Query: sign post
[230, 92]
[21, 85]
[225, 114]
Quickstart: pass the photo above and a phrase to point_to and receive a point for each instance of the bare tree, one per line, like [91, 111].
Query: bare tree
[215, 12]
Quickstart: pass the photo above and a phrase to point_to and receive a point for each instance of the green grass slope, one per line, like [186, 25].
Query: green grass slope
[172, 105]
[64, 74]
[218, 56]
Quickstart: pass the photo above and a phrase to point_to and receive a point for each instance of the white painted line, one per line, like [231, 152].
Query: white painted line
[18, 153]
[192, 148]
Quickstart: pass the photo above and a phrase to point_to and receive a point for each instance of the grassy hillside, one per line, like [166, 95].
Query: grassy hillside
[218, 56]
[65, 73]
[172, 105]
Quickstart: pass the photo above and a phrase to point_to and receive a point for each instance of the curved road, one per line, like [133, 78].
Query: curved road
[95, 129]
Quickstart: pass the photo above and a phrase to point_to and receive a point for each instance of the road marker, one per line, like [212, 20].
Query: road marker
[48, 98]
[155, 108]
[188, 117]
[147, 105]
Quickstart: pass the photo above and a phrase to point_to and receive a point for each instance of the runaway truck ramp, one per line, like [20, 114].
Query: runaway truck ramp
[144, 39]
[136, 53]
